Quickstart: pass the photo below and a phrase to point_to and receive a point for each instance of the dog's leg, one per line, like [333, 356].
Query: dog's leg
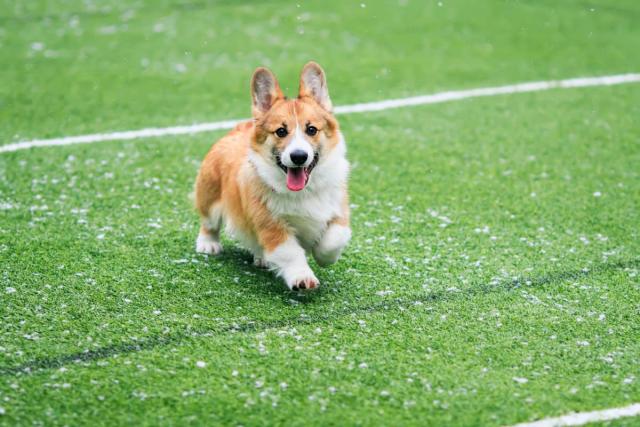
[286, 257]
[280, 248]
[333, 241]
[258, 256]
[335, 237]
[259, 261]
[208, 241]
[289, 261]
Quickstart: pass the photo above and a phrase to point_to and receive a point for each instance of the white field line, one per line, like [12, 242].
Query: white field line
[582, 418]
[435, 98]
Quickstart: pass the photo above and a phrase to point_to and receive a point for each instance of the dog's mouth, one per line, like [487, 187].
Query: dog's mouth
[297, 178]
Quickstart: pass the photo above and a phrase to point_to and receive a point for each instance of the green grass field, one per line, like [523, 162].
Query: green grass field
[493, 277]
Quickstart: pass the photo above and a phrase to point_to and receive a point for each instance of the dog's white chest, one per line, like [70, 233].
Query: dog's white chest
[308, 213]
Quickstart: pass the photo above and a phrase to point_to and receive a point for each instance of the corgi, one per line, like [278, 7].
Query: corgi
[278, 183]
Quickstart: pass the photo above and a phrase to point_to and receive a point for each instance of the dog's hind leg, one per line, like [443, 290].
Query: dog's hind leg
[208, 241]
[208, 203]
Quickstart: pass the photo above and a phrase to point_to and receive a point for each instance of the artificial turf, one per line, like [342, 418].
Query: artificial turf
[493, 273]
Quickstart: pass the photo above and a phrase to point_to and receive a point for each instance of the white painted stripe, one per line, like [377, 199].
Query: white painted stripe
[120, 136]
[582, 418]
[344, 109]
[488, 91]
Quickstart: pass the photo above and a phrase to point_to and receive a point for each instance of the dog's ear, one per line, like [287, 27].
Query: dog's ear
[313, 83]
[265, 91]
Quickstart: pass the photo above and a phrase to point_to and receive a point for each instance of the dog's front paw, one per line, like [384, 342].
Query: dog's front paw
[207, 245]
[305, 283]
[331, 245]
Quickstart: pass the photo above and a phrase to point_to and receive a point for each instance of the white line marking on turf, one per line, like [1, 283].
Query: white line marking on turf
[488, 91]
[582, 418]
[344, 109]
[121, 136]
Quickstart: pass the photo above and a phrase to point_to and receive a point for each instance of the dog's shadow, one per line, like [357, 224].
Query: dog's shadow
[263, 280]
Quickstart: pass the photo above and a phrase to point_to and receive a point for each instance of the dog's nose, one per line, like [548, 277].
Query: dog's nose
[298, 157]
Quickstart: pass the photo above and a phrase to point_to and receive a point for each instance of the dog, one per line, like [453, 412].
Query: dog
[278, 183]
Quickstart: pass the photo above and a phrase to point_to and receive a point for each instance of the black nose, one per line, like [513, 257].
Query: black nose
[298, 157]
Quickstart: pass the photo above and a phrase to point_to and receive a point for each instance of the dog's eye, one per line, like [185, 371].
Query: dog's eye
[281, 132]
[312, 130]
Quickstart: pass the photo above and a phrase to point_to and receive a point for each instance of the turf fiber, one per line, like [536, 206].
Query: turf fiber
[493, 274]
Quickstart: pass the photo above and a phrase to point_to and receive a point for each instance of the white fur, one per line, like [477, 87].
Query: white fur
[260, 263]
[307, 211]
[206, 244]
[330, 246]
[298, 142]
[210, 243]
[289, 261]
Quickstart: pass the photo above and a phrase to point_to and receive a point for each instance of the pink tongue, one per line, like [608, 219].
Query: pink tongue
[296, 179]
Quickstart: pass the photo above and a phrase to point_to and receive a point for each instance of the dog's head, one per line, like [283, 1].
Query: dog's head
[292, 136]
